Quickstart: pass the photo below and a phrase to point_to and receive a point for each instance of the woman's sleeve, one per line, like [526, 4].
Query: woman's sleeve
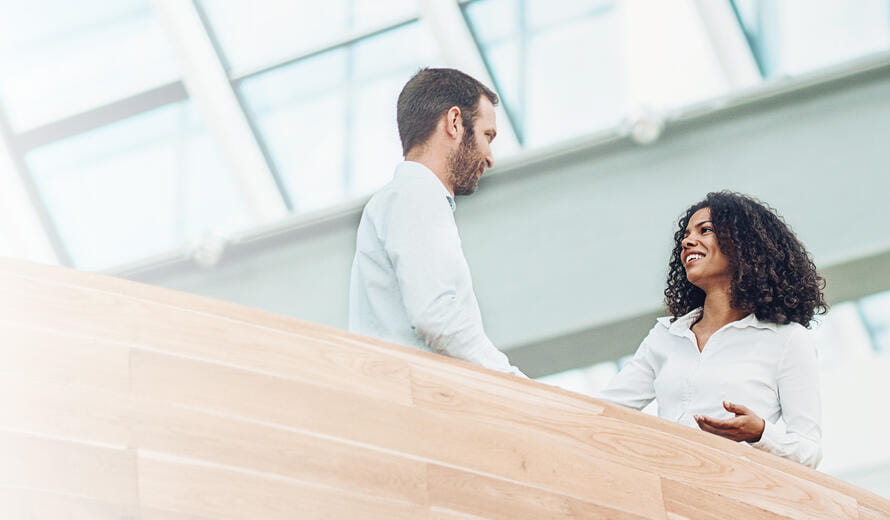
[634, 385]
[798, 387]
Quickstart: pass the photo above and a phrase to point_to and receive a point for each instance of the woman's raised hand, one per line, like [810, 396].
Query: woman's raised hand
[745, 426]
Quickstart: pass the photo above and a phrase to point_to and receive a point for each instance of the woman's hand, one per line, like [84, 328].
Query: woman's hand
[745, 426]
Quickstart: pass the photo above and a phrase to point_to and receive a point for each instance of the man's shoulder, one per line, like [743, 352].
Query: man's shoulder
[409, 190]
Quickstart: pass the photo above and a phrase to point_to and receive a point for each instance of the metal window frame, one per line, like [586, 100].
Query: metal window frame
[32, 231]
[733, 46]
[207, 81]
[347, 43]
[209, 89]
[460, 49]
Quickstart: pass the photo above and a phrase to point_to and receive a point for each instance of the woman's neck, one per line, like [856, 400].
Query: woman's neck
[718, 311]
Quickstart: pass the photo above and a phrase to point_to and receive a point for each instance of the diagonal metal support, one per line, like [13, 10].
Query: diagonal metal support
[208, 85]
[449, 28]
[25, 220]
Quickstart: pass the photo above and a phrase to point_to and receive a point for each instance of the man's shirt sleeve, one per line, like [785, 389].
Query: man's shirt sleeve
[421, 239]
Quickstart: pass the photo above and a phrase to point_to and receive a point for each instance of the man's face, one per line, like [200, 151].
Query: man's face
[473, 156]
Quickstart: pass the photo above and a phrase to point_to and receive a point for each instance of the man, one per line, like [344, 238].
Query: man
[410, 282]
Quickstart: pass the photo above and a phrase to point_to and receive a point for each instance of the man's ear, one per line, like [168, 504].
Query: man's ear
[454, 123]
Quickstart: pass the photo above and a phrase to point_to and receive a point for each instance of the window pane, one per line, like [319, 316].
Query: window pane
[139, 187]
[61, 57]
[796, 36]
[255, 33]
[876, 314]
[329, 120]
[550, 93]
[576, 66]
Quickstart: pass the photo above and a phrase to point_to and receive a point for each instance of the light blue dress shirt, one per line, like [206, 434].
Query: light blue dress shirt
[410, 281]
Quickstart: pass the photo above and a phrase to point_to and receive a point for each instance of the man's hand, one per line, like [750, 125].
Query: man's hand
[745, 426]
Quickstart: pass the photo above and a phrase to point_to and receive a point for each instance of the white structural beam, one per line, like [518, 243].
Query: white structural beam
[20, 221]
[670, 56]
[728, 43]
[208, 86]
[455, 40]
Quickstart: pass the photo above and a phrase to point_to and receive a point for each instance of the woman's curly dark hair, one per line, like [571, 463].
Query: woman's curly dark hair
[773, 275]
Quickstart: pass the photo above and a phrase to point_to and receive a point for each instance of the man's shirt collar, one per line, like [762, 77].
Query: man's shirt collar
[415, 168]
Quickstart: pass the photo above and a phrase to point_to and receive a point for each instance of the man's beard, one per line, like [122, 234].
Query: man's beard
[466, 165]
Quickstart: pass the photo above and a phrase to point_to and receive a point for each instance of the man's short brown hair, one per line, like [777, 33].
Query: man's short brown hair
[429, 94]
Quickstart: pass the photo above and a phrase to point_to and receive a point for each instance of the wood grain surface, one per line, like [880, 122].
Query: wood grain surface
[120, 400]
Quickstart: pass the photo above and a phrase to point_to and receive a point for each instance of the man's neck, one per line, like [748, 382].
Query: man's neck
[437, 164]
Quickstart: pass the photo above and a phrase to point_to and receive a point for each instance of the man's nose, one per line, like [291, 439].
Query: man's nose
[489, 161]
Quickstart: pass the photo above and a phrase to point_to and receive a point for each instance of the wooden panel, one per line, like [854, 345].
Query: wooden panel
[474, 396]
[94, 472]
[747, 453]
[190, 303]
[606, 439]
[689, 503]
[705, 468]
[84, 312]
[447, 514]
[65, 411]
[28, 504]
[866, 513]
[42, 354]
[148, 513]
[237, 413]
[468, 493]
[224, 493]
[516, 454]
[265, 448]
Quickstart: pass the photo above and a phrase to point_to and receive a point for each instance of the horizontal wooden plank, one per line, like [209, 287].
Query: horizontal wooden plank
[116, 287]
[866, 513]
[300, 383]
[748, 453]
[447, 514]
[224, 493]
[76, 413]
[148, 513]
[128, 320]
[468, 493]
[469, 395]
[240, 393]
[604, 439]
[43, 354]
[691, 503]
[191, 433]
[67, 468]
[705, 468]
[484, 448]
[28, 504]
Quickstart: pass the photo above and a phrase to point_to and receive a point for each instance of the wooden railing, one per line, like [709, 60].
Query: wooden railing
[126, 401]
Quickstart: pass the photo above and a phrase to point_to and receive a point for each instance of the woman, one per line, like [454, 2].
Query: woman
[735, 356]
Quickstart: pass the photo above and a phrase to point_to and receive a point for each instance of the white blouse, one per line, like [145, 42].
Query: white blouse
[769, 368]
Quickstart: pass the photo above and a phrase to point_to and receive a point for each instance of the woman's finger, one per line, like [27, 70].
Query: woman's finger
[716, 423]
[736, 408]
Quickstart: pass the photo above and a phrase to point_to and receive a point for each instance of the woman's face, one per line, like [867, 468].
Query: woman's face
[706, 266]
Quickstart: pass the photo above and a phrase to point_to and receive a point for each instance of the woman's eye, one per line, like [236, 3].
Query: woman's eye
[706, 229]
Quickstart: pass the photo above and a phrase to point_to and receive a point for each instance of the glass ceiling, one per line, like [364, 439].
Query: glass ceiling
[111, 144]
